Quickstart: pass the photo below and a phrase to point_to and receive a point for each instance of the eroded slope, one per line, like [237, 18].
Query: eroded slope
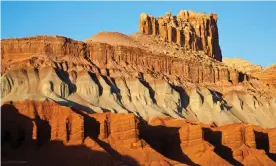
[98, 77]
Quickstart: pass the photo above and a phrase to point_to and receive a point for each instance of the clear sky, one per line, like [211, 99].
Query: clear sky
[246, 29]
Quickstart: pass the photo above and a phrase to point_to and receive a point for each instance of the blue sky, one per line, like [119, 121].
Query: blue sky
[246, 29]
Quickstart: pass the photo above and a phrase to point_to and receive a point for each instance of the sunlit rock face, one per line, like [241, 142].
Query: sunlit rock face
[60, 132]
[99, 77]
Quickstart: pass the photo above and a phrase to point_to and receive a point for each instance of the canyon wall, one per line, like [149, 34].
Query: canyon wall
[193, 31]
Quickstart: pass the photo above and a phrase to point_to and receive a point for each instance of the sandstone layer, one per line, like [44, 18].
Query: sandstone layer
[48, 133]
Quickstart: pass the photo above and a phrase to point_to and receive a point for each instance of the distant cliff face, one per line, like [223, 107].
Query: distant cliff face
[193, 31]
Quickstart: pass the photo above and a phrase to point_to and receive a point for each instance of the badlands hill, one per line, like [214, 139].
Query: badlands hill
[163, 93]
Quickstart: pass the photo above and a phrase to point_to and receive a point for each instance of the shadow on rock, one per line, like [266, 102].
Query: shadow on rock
[20, 146]
[165, 140]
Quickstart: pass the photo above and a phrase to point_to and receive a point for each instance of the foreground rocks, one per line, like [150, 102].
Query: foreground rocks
[41, 129]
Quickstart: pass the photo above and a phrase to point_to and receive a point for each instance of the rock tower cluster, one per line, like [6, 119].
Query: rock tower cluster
[193, 31]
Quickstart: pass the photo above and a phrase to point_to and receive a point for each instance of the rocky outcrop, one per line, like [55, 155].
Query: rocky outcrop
[44, 51]
[193, 31]
[243, 135]
[198, 150]
[61, 123]
[121, 132]
[45, 133]
[191, 70]
[241, 140]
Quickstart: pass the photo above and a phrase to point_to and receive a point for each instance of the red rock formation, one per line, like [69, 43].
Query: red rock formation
[105, 55]
[193, 31]
[241, 140]
[121, 132]
[118, 134]
[41, 51]
[118, 137]
[65, 125]
[198, 150]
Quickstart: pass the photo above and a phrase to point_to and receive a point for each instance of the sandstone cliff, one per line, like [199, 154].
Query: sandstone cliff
[52, 134]
[47, 122]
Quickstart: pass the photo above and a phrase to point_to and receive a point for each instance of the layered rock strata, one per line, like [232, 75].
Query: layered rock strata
[62, 123]
[244, 147]
[120, 138]
[46, 122]
[198, 150]
[67, 54]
